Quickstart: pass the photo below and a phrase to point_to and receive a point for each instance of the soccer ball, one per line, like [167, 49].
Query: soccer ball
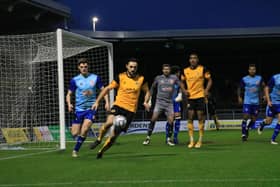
[119, 121]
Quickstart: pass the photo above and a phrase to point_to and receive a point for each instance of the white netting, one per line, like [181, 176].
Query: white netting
[29, 82]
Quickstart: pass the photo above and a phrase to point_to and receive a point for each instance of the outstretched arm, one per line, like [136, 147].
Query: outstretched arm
[101, 95]
[107, 101]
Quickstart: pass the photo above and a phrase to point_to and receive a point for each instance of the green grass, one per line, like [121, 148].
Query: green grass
[222, 161]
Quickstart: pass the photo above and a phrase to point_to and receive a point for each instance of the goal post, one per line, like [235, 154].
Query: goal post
[60, 33]
[61, 89]
[35, 73]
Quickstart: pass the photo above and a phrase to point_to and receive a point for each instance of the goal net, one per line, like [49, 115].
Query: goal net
[35, 73]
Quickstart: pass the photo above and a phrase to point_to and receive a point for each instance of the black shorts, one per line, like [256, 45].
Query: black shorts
[116, 110]
[196, 104]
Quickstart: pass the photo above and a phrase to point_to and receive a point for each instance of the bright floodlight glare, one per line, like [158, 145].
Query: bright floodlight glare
[95, 19]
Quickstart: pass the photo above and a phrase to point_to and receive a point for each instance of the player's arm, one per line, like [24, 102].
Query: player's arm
[105, 91]
[183, 86]
[72, 89]
[101, 95]
[178, 98]
[106, 96]
[262, 95]
[154, 86]
[267, 89]
[145, 89]
[207, 76]
[68, 101]
[266, 93]
[240, 91]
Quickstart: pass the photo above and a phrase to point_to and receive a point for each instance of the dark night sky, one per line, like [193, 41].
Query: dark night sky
[176, 14]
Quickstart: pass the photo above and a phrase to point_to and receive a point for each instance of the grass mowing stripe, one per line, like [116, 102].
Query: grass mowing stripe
[232, 180]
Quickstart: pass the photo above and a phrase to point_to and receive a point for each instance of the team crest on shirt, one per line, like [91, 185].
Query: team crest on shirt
[162, 81]
[91, 83]
[171, 81]
[81, 83]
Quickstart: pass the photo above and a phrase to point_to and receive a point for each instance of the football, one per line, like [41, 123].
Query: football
[119, 121]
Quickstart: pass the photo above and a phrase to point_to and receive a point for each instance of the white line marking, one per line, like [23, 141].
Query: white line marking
[233, 180]
[29, 154]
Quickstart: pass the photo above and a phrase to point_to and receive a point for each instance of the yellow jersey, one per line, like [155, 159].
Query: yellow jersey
[129, 89]
[194, 79]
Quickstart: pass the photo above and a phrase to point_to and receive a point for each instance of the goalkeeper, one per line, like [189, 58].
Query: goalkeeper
[84, 86]
[129, 85]
[165, 86]
[177, 99]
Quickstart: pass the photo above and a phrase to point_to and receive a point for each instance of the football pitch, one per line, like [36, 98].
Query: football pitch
[222, 161]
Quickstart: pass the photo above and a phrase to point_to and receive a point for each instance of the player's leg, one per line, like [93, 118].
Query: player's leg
[170, 121]
[88, 116]
[177, 118]
[167, 124]
[200, 108]
[177, 123]
[115, 133]
[250, 123]
[109, 141]
[201, 120]
[102, 131]
[75, 130]
[82, 137]
[157, 111]
[191, 127]
[268, 119]
[246, 115]
[254, 111]
[213, 114]
[76, 125]
[191, 114]
[277, 127]
[151, 127]
[216, 121]
[115, 110]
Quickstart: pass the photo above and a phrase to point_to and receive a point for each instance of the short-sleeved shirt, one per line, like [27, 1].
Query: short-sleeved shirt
[194, 79]
[166, 88]
[252, 88]
[274, 85]
[129, 89]
[85, 90]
